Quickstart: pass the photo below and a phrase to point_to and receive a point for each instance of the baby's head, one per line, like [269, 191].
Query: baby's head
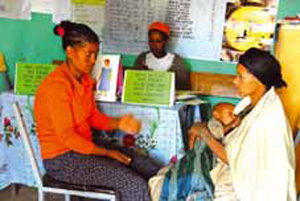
[223, 112]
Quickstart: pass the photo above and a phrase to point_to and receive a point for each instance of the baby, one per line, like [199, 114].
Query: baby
[184, 177]
[223, 120]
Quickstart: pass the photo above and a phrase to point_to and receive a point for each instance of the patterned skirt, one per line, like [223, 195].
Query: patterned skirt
[129, 183]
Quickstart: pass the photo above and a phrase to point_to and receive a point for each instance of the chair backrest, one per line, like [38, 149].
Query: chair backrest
[27, 143]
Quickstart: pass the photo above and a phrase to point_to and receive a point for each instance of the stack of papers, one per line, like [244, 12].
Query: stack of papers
[189, 98]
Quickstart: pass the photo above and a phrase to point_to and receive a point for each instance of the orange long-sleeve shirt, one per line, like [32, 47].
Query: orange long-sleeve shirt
[65, 110]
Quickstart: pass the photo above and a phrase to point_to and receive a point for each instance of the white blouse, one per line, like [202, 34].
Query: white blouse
[159, 64]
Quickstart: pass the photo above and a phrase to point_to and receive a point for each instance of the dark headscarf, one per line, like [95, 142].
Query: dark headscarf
[263, 66]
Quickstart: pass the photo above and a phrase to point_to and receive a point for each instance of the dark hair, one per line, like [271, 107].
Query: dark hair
[264, 67]
[75, 34]
[165, 36]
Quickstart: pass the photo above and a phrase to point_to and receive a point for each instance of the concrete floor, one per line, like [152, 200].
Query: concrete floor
[29, 194]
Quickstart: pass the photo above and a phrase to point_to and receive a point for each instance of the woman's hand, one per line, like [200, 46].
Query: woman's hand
[198, 131]
[129, 124]
[122, 158]
[193, 134]
[113, 154]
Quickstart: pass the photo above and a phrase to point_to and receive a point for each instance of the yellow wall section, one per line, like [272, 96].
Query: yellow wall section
[287, 51]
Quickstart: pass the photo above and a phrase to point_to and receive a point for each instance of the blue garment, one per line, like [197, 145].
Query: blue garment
[105, 81]
[190, 175]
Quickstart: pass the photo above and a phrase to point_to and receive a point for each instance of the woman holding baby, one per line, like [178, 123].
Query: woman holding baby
[257, 155]
[253, 141]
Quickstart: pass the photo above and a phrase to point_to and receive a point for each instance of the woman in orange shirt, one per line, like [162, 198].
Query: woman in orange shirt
[65, 111]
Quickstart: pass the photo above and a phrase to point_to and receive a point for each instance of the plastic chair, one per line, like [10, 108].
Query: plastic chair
[47, 184]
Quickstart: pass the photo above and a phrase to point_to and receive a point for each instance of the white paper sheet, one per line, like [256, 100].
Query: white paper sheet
[42, 6]
[61, 10]
[91, 13]
[196, 26]
[126, 25]
[107, 76]
[15, 9]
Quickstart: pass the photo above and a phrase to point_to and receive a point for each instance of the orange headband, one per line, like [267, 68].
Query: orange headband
[159, 26]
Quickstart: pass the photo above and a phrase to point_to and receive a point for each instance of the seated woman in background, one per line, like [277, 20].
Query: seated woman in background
[65, 111]
[158, 59]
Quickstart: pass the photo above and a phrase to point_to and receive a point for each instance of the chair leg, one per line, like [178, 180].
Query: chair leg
[67, 197]
[80, 198]
[41, 195]
[15, 190]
